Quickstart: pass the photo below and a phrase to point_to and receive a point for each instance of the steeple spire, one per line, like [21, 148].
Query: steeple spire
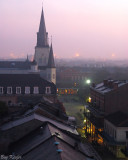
[51, 63]
[42, 35]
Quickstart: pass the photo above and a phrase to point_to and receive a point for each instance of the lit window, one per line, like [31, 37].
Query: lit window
[48, 90]
[1, 90]
[18, 90]
[27, 90]
[89, 99]
[36, 90]
[9, 90]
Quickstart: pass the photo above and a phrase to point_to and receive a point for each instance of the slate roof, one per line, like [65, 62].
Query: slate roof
[23, 80]
[21, 65]
[40, 144]
[103, 89]
[51, 63]
[42, 34]
[118, 119]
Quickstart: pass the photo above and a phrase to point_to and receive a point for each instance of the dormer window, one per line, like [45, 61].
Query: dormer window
[1, 90]
[36, 90]
[27, 90]
[9, 90]
[48, 90]
[18, 90]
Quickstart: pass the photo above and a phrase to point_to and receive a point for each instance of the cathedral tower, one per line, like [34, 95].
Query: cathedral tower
[44, 53]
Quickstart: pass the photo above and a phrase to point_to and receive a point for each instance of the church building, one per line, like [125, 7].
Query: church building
[43, 62]
[44, 53]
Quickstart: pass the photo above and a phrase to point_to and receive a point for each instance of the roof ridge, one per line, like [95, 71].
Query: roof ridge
[123, 121]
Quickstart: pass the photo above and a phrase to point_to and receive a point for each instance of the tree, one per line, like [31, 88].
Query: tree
[3, 109]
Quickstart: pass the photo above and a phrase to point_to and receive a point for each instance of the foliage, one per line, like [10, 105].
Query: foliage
[3, 109]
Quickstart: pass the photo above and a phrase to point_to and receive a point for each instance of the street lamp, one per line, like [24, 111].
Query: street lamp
[88, 81]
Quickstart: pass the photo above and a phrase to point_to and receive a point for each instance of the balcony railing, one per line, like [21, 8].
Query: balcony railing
[95, 110]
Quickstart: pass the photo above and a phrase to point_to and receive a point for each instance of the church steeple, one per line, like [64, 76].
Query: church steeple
[42, 35]
[51, 63]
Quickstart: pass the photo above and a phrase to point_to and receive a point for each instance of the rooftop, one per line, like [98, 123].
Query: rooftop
[48, 141]
[108, 85]
[119, 119]
[21, 65]
[23, 79]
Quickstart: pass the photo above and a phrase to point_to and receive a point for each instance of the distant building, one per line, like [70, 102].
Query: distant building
[73, 75]
[22, 89]
[43, 62]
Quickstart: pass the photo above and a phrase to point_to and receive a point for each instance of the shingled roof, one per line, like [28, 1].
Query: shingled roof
[21, 65]
[49, 142]
[23, 80]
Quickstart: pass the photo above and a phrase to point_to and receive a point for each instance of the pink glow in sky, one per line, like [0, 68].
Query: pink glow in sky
[89, 28]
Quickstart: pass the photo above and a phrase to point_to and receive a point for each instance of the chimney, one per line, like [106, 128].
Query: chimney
[115, 85]
[110, 83]
[105, 82]
[93, 85]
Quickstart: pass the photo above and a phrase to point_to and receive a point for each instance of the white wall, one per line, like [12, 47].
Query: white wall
[111, 130]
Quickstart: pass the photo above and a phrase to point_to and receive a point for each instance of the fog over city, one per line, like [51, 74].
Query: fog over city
[80, 29]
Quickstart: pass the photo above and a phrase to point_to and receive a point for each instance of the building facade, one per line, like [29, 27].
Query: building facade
[106, 98]
[23, 89]
[115, 133]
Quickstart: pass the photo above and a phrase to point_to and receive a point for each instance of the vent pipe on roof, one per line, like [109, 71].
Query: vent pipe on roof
[115, 85]
[41, 130]
[59, 150]
[56, 143]
[105, 82]
[93, 85]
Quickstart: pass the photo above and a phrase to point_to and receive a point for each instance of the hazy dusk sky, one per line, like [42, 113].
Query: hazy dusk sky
[82, 28]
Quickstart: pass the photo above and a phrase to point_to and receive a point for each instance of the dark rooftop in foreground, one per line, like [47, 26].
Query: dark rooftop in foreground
[51, 143]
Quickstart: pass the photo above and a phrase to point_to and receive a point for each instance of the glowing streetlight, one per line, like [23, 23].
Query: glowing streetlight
[88, 81]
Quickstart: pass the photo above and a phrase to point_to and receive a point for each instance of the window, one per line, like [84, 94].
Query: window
[27, 90]
[18, 90]
[48, 90]
[36, 90]
[53, 76]
[9, 90]
[1, 90]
